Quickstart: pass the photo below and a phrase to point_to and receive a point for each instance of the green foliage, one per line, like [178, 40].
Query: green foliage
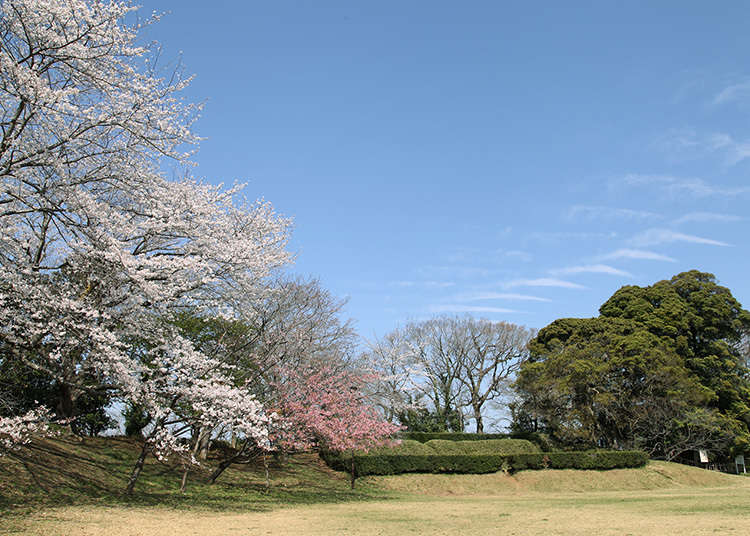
[424, 420]
[92, 418]
[652, 358]
[393, 464]
[136, 419]
[405, 446]
[23, 388]
[483, 446]
[538, 439]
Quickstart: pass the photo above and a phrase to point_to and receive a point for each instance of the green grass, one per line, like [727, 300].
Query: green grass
[94, 471]
[66, 487]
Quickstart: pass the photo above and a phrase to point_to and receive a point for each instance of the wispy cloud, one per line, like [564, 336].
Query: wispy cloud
[640, 254]
[561, 236]
[518, 254]
[681, 185]
[480, 296]
[596, 212]
[707, 217]
[733, 92]
[591, 269]
[453, 271]
[424, 284]
[542, 282]
[653, 237]
[687, 144]
[458, 308]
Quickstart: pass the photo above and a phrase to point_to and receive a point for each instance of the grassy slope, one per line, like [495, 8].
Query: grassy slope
[67, 471]
[655, 475]
[83, 481]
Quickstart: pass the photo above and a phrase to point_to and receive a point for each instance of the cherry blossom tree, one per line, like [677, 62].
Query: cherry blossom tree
[327, 408]
[98, 250]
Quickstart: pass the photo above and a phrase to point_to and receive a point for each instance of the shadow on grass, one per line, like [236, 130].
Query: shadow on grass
[67, 472]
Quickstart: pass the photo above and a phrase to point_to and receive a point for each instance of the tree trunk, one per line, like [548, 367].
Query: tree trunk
[353, 471]
[137, 469]
[478, 419]
[204, 438]
[268, 475]
[184, 479]
[65, 401]
[220, 469]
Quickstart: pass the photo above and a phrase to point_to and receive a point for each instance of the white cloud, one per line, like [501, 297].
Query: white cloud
[680, 185]
[479, 296]
[639, 254]
[518, 254]
[455, 308]
[732, 93]
[706, 217]
[654, 237]
[426, 284]
[592, 212]
[561, 236]
[592, 269]
[687, 144]
[542, 282]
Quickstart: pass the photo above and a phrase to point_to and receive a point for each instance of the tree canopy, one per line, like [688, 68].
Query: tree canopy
[660, 364]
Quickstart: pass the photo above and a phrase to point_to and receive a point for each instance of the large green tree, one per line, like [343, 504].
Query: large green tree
[661, 368]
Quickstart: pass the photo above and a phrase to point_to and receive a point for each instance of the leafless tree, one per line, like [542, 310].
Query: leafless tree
[459, 364]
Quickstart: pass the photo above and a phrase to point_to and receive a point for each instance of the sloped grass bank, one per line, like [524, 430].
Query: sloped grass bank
[68, 488]
[655, 475]
[68, 471]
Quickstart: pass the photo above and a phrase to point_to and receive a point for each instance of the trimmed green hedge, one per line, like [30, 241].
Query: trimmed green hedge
[405, 447]
[423, 437]
[483, 446]
[392, 464]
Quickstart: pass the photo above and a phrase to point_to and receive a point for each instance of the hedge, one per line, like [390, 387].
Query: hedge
[423, 437]
[392, 464]
[483, 446]
[405, 447]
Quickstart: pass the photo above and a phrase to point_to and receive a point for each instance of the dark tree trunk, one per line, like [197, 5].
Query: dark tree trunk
[137, 469]
[220, 469]
[65, 403]
[478, 419]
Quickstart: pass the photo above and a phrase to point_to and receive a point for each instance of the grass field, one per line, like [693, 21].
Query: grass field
[307, 498]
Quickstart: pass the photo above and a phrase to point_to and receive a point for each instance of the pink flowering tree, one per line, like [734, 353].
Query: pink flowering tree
[327, 408]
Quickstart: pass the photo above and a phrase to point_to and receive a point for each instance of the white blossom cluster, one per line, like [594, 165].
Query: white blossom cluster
[97, 248]
[15, 431]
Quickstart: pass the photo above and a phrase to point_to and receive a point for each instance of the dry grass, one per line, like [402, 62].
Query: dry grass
[643, 513]
[72, 489]
[655, 475]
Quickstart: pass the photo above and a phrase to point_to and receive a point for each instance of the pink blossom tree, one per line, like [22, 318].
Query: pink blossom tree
[326, 408]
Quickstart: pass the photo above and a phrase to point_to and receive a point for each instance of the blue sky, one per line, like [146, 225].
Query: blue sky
[515, 161]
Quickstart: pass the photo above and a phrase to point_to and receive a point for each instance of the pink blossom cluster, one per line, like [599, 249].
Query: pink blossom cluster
[327, 408]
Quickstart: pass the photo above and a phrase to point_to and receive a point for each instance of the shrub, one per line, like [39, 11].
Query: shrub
[392, 464]
[483, 446]
[423, 437]
[404, 447]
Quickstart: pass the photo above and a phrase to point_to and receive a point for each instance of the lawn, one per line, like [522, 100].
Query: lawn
[693, 511]
[66, 488]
